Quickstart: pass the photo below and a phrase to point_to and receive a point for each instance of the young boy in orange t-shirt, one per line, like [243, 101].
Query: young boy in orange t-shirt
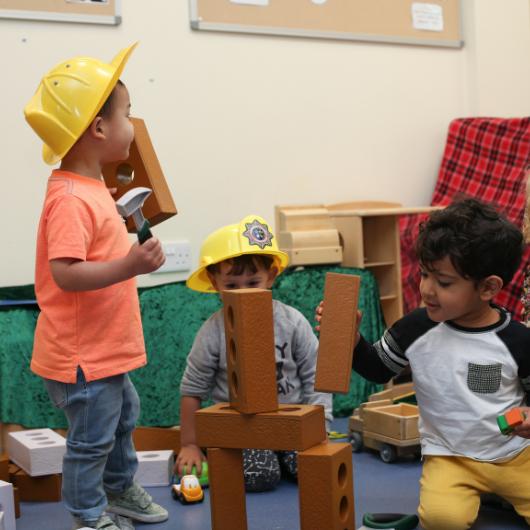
[89, 332]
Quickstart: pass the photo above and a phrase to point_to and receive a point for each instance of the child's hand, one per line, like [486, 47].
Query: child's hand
[318, 314]
[523, 430]
[319, 311]
[189, 456]
[147, 257]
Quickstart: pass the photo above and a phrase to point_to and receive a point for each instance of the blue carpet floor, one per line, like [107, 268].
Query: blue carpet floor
[379, 487]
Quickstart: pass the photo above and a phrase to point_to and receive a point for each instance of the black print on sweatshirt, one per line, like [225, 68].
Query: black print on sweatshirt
[283, 383]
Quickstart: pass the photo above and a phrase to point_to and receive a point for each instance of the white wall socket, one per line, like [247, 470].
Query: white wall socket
[178, 256]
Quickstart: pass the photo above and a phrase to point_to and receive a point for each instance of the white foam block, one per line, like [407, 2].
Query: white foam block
[7, 506]
[37, 451]
[155, 468]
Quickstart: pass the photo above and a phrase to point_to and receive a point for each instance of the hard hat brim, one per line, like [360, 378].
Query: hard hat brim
[120, 60]
[199, 280]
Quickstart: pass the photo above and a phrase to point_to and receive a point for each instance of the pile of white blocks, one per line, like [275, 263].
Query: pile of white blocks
[155, 468]
[37, 451]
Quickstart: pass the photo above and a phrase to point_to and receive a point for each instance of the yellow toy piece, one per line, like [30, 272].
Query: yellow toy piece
[69, 98]
[252, 235]
[188, 491]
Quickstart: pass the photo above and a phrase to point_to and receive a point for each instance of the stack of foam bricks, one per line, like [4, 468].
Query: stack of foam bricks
[254, 419]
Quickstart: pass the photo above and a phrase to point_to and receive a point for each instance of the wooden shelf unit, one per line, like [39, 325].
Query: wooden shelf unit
[369, 235]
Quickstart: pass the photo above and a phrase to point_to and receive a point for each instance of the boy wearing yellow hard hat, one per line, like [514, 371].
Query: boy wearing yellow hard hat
[238, 256]
[86, 289]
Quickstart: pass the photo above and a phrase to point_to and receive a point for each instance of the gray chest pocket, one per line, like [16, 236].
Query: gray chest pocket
[484, 378]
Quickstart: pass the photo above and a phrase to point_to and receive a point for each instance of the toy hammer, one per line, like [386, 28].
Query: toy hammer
[130, 204]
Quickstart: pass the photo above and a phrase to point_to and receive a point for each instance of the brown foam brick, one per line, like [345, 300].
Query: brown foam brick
[325, 485]
[227, 489]
[250, 350]
[337, 333]
[292, 427]
[144, 166]
[46, 488]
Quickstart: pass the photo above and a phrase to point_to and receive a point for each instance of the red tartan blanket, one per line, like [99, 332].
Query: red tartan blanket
[484, 158]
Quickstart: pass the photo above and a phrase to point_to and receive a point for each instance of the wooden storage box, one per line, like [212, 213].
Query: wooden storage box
[395, 421]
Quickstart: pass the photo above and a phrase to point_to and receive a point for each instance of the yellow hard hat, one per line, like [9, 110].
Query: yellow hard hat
[68, 98]
[252, 235]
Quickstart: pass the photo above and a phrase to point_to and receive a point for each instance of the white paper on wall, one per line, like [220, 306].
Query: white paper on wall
[428, 17]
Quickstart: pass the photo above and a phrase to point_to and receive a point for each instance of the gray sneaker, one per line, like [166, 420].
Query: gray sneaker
[104, 523]
[137, 504]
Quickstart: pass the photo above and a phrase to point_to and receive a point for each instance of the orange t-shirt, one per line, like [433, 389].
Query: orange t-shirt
[100, 330]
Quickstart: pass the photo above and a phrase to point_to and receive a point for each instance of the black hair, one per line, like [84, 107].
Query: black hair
[243, 263]
[478, 240]
[106, 109]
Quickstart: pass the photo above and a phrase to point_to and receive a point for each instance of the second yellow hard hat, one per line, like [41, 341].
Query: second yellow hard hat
[252, 235]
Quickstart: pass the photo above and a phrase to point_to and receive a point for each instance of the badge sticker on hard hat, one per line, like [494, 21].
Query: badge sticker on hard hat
[258, 234]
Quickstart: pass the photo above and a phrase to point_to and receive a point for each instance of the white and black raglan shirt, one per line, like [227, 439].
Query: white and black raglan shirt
[464, 378]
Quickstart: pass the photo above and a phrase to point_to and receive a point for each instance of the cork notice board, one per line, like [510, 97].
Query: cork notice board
[87, 11]
[429, 23]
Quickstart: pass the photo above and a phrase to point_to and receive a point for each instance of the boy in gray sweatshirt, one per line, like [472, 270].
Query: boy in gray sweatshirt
[246, 255]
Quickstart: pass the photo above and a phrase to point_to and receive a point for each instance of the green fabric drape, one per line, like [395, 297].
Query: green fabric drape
[171, 315]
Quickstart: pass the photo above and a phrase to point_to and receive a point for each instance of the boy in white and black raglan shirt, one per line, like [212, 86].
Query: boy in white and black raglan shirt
[246, 255]
[470, 362]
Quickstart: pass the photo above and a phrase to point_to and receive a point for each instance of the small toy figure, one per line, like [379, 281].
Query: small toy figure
[189, 490]
[510, 419]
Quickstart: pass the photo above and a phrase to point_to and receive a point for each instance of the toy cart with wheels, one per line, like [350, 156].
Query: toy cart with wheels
[390, 429]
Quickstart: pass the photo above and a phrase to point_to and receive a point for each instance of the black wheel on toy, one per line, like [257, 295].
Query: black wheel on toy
[388, 453]
[356, 440]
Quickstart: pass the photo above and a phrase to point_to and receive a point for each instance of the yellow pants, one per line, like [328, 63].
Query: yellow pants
[451, 487]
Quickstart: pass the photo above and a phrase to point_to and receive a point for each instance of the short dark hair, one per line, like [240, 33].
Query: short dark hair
[106, 109]
[243, 263]
[478, 240]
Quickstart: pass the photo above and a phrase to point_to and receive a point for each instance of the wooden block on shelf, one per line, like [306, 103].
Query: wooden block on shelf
[291, 427]
[157, 438]
[250, 350]
[46, 488]
[337, 333]
[325, 484]
[227, 489]
[144, 167]
[308, 235]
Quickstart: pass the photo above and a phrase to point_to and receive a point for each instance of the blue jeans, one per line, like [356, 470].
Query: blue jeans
[100, 454]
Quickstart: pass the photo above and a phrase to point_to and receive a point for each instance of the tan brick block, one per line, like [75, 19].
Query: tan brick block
[250, 350]
[143, 164]
[292, 427]
[325, 484]
[337, 333]
[227, 489]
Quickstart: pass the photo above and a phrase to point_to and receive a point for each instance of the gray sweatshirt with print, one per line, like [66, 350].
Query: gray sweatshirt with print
[296, 356]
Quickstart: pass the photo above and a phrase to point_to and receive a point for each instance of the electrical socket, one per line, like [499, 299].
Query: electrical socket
[178, 256]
